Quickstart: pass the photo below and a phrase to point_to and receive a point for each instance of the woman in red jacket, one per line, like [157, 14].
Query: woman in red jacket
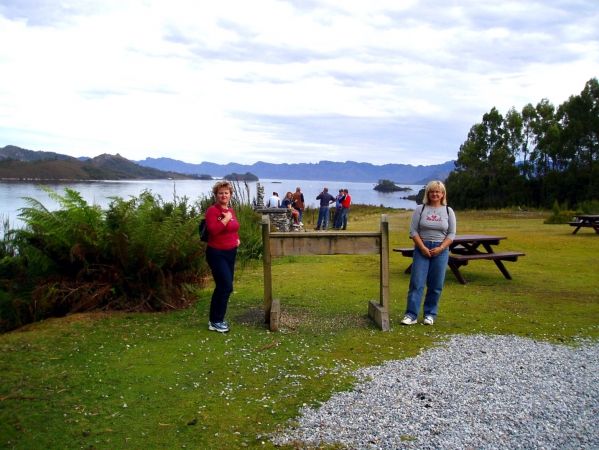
[221, 251]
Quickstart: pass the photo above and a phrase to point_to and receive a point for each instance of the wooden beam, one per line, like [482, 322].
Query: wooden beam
[333, 243]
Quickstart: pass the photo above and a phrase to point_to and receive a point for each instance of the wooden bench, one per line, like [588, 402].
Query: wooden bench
[580, 225]
[462, 258]
[503, 256]
[585, 221]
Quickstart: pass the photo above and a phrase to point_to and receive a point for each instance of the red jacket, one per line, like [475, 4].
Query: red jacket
[221, 237]
[346, 202]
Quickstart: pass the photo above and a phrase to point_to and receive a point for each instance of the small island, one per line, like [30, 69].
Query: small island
[248, 176]
[418, 198]
[389, 186]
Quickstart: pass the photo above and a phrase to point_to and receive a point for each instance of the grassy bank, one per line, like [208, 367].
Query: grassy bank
[164, 381]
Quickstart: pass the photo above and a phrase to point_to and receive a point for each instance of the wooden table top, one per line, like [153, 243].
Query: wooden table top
[459, 238]
[587, 216]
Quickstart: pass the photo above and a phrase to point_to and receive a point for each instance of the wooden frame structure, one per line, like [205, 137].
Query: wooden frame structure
[327, 243]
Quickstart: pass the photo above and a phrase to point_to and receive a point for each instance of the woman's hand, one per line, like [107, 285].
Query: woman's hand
[426, 252]
[436, 251]
[227, 216]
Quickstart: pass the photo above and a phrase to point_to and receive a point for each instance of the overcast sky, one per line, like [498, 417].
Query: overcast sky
[379, 81]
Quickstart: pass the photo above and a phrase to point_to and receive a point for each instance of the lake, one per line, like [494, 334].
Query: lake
[13, 193]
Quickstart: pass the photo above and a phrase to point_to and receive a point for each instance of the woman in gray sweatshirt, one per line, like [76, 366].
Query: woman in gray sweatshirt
[432, 229]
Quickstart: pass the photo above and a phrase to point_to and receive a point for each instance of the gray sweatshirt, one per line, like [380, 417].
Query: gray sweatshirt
[433, 224]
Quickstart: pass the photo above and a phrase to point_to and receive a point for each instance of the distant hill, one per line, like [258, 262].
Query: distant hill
[21, 154]
[323, 171]
[50, 165]
[18, 163]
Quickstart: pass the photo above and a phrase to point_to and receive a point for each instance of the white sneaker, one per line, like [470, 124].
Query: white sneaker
[428, 320]
[407, 320]
[301, 224]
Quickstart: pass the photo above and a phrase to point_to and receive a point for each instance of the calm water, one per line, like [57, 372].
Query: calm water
[13, 193]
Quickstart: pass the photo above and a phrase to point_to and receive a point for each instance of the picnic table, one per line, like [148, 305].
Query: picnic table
[466, 248]
[585, 220]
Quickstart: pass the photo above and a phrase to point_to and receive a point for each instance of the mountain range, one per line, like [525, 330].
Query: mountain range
[20, 164]
[16, 162]
[321, 171]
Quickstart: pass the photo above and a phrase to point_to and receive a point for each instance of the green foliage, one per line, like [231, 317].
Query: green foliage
[560, 215]
[250, 233]
[139, 255]
[589, 207]
[531, 158]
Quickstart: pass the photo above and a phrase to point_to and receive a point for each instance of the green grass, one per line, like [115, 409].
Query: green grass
[64, 382]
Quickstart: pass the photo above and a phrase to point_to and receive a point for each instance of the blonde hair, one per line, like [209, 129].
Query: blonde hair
[220, 185]
[435, 185]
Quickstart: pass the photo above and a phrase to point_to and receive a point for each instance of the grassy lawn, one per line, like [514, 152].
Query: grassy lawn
[159, 381]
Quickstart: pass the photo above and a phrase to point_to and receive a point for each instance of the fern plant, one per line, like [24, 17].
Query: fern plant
[141, 254]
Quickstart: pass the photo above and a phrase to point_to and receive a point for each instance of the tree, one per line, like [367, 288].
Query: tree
[485, 167]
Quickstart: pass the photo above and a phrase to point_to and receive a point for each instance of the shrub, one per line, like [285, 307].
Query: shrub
[139, 255]
[560, 215]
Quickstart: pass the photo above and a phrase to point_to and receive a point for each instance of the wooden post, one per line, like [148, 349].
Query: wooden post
[384, 300]
[267, 267]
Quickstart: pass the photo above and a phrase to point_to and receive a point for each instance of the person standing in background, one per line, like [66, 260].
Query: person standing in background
[345, 203]
[299, 204]
[338, 208]
[323, 213]
[221, 251]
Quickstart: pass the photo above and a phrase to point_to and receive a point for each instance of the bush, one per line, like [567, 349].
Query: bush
[560, 216]
[139, 255]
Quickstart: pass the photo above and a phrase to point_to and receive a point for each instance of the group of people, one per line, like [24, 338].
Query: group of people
[294, 202]
[432, 228]
[297, 204]
[342, 204]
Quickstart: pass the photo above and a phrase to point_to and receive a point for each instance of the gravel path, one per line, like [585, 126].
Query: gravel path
[472, 392]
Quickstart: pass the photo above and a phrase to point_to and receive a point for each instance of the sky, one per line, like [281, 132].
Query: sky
[281, 81]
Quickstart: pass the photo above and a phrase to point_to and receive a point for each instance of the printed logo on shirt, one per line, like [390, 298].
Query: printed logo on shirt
[433, 217]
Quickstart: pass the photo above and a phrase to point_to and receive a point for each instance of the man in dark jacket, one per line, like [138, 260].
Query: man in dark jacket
[323, 213]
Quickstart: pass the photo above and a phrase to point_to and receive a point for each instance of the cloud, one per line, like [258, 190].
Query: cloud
[378, 81]
[50, 13]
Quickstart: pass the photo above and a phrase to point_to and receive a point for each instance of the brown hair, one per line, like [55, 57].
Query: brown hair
[220, 185]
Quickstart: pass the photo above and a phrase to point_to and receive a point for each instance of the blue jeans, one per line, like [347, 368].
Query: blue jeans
[343, 221]
[337, 223]
[222, 265]
[301, 213]
[429, 271]
[323, 214]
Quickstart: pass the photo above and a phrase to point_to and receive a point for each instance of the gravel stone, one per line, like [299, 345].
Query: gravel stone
[475, 392]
